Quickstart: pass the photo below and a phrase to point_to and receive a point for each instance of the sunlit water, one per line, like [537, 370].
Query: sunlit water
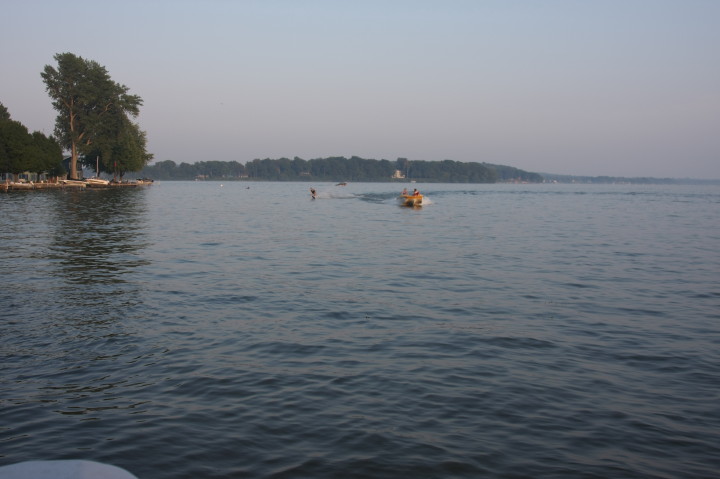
[208, 330]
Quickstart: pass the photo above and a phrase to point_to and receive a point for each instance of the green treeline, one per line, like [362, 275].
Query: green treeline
[340, 169]
[22, 151]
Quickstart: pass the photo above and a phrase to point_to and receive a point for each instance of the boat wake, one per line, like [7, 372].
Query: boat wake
[332, 195]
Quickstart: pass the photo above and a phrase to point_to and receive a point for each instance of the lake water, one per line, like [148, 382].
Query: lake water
[243, 330]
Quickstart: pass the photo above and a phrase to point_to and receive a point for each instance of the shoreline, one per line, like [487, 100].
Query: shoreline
[5, 187]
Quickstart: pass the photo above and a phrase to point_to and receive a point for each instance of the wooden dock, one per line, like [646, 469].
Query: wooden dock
[27, 186]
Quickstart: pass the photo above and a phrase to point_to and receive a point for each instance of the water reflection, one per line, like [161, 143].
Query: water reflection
[98, 242]
[71, 336]
[99, 235]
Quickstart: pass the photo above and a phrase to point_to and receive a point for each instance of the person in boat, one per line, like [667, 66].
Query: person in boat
[404, 191]
[312, 193]
[415, 192]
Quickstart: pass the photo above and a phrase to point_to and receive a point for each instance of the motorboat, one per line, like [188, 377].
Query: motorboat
[410, 200]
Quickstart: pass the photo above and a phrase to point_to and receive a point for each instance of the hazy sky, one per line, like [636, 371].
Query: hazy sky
[606, 87]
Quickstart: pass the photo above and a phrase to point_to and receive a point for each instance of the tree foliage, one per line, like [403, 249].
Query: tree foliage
[93, 111]
[22, 151]
[4, 113]
[339, 169]
[121, 150]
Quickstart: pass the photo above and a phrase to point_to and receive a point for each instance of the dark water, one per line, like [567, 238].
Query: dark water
[191, 330]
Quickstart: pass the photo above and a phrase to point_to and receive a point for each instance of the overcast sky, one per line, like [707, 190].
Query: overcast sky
[607, 87]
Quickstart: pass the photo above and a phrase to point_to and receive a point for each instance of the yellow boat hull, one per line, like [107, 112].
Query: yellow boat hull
[411, 200]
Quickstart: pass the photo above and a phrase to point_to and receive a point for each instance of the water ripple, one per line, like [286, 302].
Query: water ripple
[502, 331]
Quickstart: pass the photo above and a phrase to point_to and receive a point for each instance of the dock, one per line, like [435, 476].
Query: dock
[26, 186]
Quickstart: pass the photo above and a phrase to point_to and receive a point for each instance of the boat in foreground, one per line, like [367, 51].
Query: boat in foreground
[64, 469]
[410, 200]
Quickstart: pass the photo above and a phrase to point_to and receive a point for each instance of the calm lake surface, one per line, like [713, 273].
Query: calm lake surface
[243, 330]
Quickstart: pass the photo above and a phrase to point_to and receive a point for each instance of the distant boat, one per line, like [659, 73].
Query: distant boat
[341, 184]
[97, 182]
[21, 185]
[78, 183]
[410, 200]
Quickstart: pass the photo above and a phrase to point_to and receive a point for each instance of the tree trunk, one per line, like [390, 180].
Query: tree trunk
[73, 163]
